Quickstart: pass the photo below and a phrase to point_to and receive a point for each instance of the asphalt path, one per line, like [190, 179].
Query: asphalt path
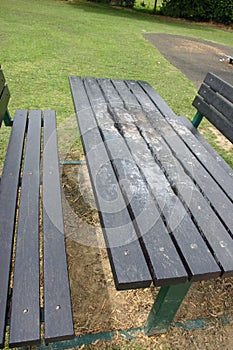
[194, 57]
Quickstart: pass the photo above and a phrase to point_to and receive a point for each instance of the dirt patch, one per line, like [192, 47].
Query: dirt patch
[98, 307]
[220, 140]
[194, 57]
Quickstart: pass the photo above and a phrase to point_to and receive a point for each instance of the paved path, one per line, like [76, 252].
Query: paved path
[194, 57]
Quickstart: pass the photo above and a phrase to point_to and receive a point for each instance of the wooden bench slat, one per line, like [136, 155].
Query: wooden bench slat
[217, 236]
[25, 312]
[219, 85]
[217, 101]
[4, 99]
[162, 256]
[8, 197]
[57, 304]
[119, 232]
[216, 118]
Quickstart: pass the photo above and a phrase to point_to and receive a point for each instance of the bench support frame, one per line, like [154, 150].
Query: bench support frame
[197, 119]
[8, 121]
[165, 308]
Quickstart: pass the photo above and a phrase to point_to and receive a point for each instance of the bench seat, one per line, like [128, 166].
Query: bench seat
[34, 285]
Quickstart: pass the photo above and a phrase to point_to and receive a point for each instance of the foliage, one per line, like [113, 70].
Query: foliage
[128, 3]
[220, 11]
[122, 3]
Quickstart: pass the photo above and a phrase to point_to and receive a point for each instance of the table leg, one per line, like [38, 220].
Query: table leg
[165, 307]
[8, 121]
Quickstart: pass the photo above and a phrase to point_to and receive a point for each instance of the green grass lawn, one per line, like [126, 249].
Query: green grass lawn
[45, 41]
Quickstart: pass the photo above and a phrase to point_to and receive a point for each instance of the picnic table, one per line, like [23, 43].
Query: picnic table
[165, 203]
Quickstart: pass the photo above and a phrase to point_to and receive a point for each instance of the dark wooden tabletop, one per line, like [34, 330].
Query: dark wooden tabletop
[165, 204]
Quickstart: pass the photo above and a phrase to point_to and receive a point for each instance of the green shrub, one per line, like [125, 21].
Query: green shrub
[223, 11]
[220, 11]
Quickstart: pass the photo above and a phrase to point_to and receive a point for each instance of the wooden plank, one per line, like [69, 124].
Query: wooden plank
[110, 92]
[158, 101]
[218, 238]
[57, 303]
[219, 242]
[4, 99]
[161, 254]
[8, 197]
[120, 236]
[183, 121]
[217, 101]
[176, 217]
[25, 312]
[216, 118]
[126, 95]
[219, 85]
[213, 166]
[178, 122]
[218, 199]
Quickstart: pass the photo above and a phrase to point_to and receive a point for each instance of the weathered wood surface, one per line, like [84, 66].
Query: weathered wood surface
[126, 257]
[25, 310]
[8, 199]
[57, 303]
[20, 223]
[178, 200]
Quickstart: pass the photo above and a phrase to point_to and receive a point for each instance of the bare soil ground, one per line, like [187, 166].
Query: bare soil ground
[97, 306]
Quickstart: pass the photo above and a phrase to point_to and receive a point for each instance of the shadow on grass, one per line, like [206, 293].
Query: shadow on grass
[132, 14]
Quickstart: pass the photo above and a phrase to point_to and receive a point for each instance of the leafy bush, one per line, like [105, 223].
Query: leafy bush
[220, 11]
